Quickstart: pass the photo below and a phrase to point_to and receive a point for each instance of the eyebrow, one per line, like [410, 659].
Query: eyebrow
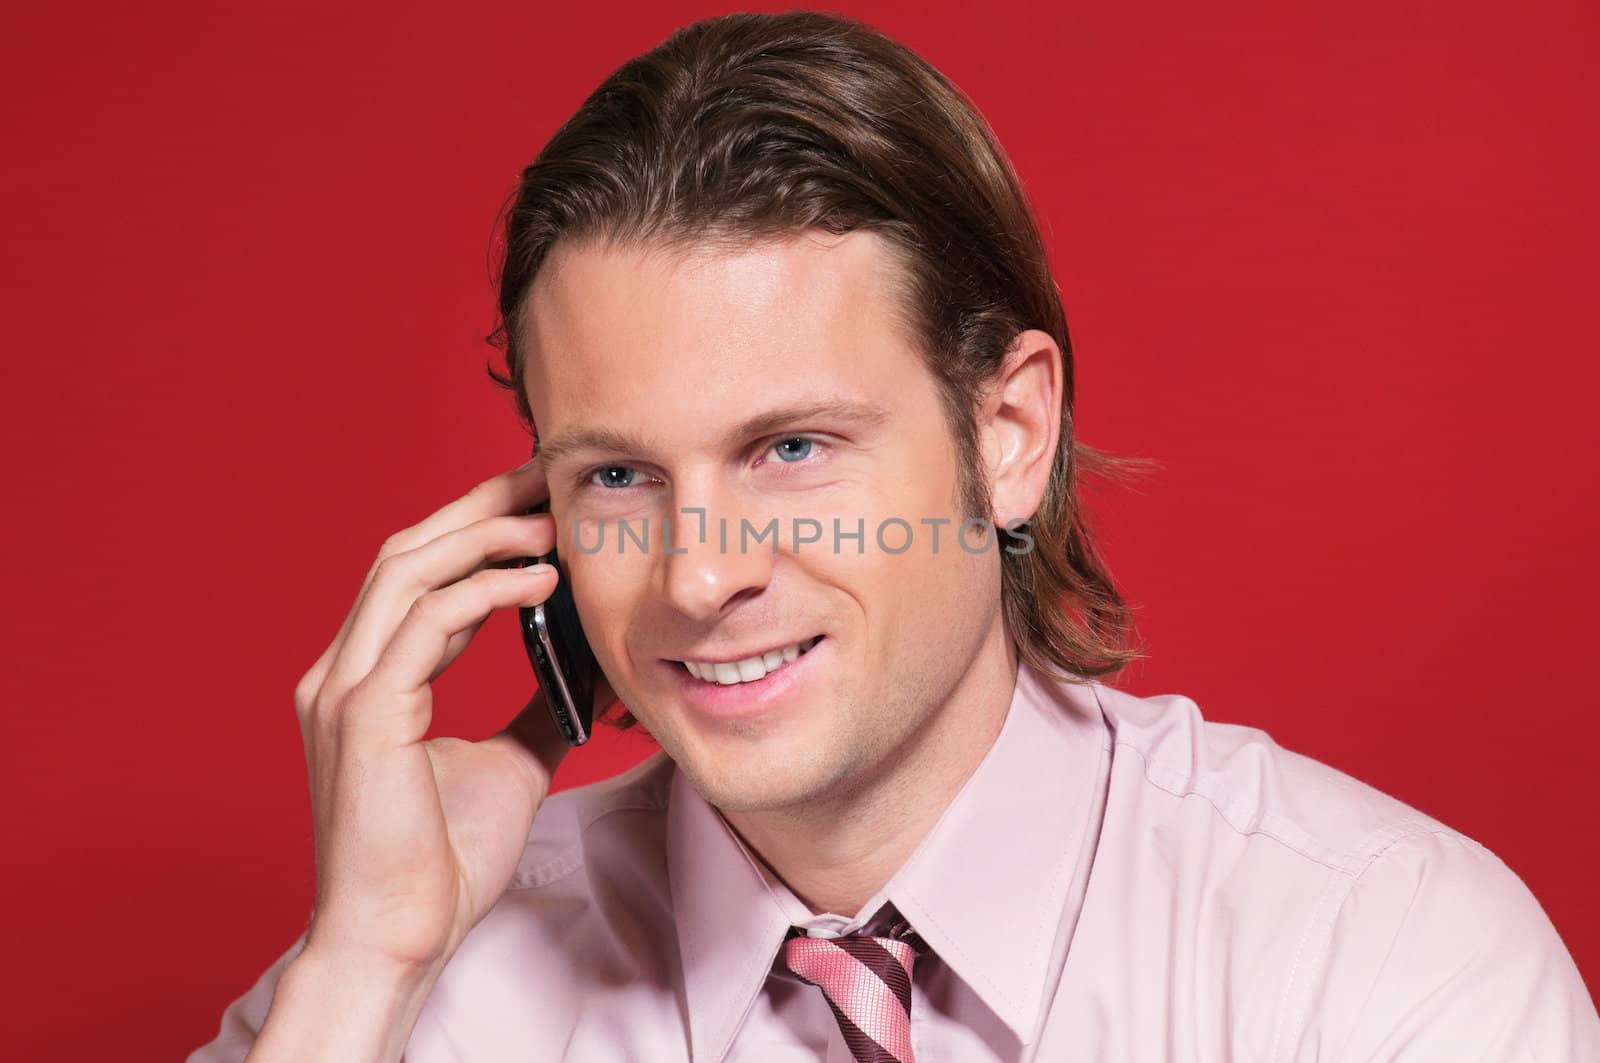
[862, 414]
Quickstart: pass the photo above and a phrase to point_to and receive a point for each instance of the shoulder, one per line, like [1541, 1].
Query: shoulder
[595, 857]
[588, 905]
[585, 824]
[1440, 946]
[1406, 931]
[589, 908]
[1241, 777]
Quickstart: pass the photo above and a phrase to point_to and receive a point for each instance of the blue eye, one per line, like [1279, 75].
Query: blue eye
[609, 476]
[800, 453]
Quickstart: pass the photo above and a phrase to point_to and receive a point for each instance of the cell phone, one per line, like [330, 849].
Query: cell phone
[560, 653]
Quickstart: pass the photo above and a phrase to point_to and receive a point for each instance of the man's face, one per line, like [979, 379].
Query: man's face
[664, 362]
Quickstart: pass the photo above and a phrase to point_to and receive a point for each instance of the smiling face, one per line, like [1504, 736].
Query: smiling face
[769, 383]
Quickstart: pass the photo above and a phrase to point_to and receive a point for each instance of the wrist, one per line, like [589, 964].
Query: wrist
[331, 1006]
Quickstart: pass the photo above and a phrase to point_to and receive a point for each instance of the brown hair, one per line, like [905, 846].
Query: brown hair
[751, 126]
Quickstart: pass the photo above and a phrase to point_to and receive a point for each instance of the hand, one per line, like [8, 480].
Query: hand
[416, 840]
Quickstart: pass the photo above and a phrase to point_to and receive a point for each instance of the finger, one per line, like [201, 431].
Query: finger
[392, 699]
[309, 688]
[453, 649]
[513, 491]
[404, 578]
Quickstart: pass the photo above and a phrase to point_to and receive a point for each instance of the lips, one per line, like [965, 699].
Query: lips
[749, 669]
[775, 699]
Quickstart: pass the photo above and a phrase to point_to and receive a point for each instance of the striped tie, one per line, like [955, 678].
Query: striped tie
[867, 982]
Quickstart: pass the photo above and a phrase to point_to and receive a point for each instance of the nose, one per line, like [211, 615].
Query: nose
[714, 559]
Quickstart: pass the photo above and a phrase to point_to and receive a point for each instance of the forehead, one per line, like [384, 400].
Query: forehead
[610, 326]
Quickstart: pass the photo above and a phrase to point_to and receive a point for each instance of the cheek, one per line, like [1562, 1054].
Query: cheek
[939, 583]
[917, 596]
[604, 585]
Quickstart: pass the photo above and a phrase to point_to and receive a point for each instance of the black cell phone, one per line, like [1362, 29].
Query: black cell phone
[560, 653]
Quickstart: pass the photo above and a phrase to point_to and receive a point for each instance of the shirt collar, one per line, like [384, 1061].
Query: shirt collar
[987, 889]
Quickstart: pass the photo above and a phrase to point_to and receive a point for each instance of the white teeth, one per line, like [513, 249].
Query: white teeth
[751, 668]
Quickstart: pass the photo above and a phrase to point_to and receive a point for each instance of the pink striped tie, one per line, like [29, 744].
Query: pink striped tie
[867, 983]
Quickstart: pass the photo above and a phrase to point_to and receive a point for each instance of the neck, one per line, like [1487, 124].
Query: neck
[835, 854]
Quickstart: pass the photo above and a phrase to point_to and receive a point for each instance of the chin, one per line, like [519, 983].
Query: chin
[749, 786]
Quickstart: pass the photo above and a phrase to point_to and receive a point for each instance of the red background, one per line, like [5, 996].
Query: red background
[1334, 266]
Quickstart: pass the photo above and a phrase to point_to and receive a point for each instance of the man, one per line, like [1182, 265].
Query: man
[775, 278]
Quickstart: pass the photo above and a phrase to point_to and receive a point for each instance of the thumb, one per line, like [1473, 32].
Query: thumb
[534, 741]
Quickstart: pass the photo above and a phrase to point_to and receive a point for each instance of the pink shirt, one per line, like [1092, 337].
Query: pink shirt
[1120, 879]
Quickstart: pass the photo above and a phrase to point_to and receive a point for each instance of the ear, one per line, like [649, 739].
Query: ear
[1019, 426]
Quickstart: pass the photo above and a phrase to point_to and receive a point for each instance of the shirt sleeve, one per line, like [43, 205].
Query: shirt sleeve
[242, 1019]
[1440, 951]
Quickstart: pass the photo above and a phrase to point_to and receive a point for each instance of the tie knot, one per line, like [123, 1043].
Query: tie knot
[867, 982]
[806, 955]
